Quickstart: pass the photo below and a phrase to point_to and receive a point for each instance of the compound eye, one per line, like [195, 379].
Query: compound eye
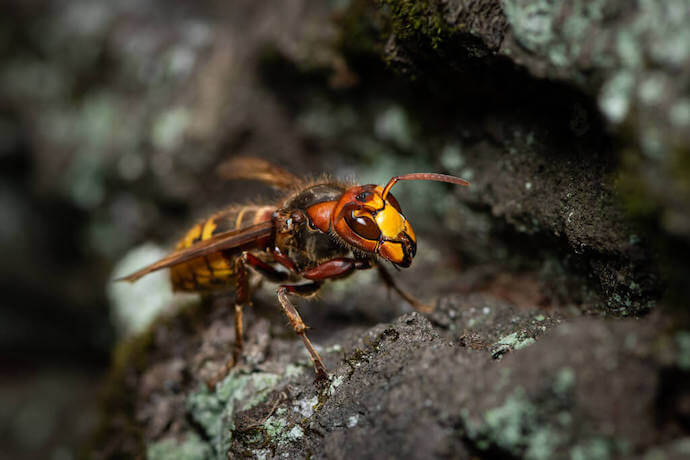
[363, 226]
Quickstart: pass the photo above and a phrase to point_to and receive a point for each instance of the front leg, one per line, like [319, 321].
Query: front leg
[335, 268]
[343, 266]
[264, 269]
[412, 300]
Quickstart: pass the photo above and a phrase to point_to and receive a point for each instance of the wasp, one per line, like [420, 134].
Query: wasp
[319, 230]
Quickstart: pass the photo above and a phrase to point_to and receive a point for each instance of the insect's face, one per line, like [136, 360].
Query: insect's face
[365, 220]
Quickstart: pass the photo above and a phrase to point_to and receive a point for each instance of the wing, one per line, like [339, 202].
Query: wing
[223, 241]
[258, 169]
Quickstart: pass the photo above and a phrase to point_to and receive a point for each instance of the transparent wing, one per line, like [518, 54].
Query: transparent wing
[257, 169]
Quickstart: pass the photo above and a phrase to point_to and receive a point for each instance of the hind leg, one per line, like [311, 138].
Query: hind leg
[241, 299]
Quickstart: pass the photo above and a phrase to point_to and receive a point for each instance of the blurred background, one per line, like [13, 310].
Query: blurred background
[115, 116]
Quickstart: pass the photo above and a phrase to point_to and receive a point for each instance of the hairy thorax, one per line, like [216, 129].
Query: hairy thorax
[296, 236]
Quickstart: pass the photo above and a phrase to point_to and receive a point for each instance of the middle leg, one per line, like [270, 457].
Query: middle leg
[298, 325]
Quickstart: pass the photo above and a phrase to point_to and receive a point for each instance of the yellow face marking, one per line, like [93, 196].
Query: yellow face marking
[392, 251]
[209, 227]
[390, 222]
[375, 201]
[410, 232]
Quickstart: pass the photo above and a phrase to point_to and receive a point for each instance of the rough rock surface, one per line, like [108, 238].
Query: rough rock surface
[631, 60]
[478, 385]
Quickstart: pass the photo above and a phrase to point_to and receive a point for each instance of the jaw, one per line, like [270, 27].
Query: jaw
[399, 253]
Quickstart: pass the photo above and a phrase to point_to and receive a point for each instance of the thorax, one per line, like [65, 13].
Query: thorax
[297, 237]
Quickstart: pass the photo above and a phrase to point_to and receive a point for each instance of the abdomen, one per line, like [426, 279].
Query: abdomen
[217, 270]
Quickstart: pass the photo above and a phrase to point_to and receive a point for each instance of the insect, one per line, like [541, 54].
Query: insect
[320, 230]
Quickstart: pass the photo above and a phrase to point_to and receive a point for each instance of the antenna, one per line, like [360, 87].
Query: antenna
[423, 176]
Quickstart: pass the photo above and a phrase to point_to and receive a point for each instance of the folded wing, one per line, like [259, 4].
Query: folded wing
[221, 242]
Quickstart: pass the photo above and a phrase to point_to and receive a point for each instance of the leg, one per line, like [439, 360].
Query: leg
[263, 268]
[242, 298]
[283, 259]
[239, 342]
[300, 328]
[304, 290]
[409, 298]
[336, 268]
[241, 301]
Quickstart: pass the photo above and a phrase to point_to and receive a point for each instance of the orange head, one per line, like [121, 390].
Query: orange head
[369, 218]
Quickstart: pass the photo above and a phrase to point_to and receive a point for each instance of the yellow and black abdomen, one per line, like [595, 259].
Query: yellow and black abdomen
[216, 270]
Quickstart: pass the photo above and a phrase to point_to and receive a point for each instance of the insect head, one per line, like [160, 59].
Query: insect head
[369, 218]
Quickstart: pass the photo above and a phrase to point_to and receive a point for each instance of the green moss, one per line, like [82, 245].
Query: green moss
[335, 383]
[421, 20]
[362, 32]
[540, 27]
[293, 371]
[516, 341]
[168, 130]
[505, 425]
[680, 113]
[516, 427]
[565, 381]
[543, 444]
[275, 427]
[683, 346]
[633, 192]
[615, 96]
[531, 22]
[393, 124]
[192, 448]
[214, 409]
[592, 449]
[682, 446]
[524, 343]
[534, 426]
[680, 170]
